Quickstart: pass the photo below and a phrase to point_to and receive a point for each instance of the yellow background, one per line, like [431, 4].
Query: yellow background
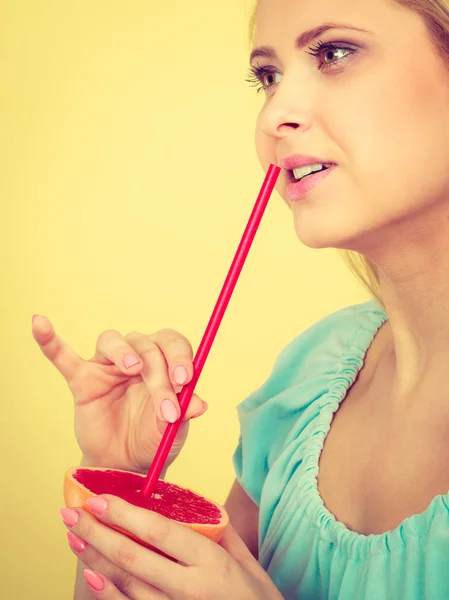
[128, 175]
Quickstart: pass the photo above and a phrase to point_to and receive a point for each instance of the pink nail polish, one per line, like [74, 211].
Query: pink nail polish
[69, 516]
[97, 505]
[93, 579]
[169, 411]
[76, 543]
[129, 360]
[180, 374]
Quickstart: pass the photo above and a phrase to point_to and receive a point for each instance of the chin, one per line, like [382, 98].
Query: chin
[315, 239]
[329, 233]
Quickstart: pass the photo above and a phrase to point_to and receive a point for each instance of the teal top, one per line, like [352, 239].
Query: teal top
[308, 554]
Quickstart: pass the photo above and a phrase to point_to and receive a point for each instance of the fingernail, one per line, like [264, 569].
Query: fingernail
[97, 505]
[180, 374]
[93, 579]
[205, 407]
[76, 543]
[129, 360]
[33, 318]
[69, 516]
[169, 411]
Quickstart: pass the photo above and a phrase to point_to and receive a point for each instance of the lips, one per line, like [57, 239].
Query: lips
[298, 190]
[295, 161]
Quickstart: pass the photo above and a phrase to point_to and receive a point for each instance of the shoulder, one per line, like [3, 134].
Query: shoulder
[290, 399]
[338, 327]
[321, 348]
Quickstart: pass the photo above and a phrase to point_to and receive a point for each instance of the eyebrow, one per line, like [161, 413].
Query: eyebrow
[303, 40]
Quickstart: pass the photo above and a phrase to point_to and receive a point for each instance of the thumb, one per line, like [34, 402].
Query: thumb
[236, 547]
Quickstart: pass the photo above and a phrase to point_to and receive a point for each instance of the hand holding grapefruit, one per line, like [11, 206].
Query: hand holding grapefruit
[169, 500]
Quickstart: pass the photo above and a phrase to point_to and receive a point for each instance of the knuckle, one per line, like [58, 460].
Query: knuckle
[195, 589]
[173, 337]
[168, 333]
[151, 349]
[105, 337]
[228, 567]
[115, 508]
[124, 582]
[124, 557]
[176, 352]
[85, 529]
[133, 335]
[165, 392]
[91, 558]
[158, 532]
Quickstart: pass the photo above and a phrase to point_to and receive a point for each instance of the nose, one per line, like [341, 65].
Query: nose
[285, 112]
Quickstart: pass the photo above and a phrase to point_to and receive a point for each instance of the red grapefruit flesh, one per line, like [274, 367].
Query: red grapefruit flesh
[170, 500]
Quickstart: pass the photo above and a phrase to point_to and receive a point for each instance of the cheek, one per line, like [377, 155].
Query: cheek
[402, 135]
[388, 124]
[265, 146]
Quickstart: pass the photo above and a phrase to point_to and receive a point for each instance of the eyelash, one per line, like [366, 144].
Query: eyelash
[257, 73]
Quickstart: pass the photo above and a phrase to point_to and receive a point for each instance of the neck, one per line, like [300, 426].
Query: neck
[414, 283]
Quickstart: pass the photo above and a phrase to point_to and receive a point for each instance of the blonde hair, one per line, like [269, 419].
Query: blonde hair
[435, 14]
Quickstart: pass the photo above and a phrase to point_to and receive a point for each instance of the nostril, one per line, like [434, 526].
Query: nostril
[290, 125]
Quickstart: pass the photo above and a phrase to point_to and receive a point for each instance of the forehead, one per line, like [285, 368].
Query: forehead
[284, 19]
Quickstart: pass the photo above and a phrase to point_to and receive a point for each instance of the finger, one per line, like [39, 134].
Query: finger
[140, 562]
[235, 546]
[156, 376]
[196, 408]
[135, 351]
[178, 354]
[89, 557]
[112, 348]
[126, 583]
[101, 587]
[54, 348]
[154, 372]
[172, 538]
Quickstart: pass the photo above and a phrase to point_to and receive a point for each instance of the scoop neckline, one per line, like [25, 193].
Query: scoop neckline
[329, 528]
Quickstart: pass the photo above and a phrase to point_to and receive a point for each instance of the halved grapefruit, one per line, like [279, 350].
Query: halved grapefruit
[170, 500]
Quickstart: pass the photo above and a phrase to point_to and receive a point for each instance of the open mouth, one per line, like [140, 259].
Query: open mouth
[296, 175]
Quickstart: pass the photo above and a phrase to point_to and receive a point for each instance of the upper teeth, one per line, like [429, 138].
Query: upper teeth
[303, 171]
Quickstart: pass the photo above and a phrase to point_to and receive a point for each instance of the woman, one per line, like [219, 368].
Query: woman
[345, 495]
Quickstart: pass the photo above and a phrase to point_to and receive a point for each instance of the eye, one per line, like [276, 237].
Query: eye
[331, 53]
[263, 78]
[269, 78]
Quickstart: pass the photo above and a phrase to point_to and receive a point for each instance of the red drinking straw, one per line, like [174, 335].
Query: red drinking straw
[211, 330]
